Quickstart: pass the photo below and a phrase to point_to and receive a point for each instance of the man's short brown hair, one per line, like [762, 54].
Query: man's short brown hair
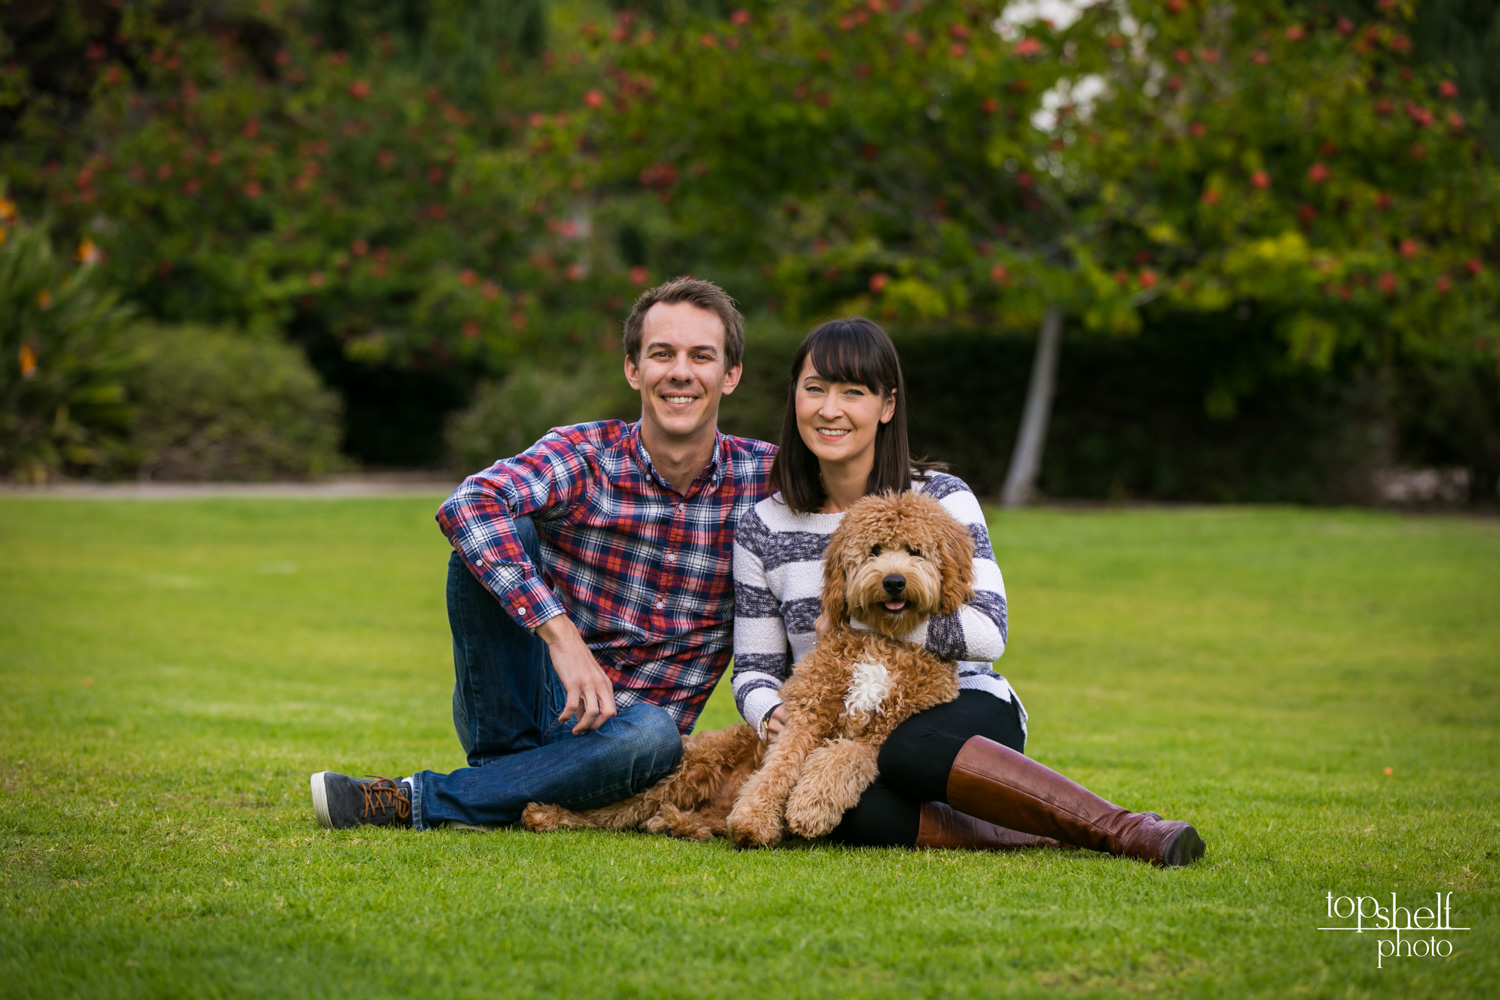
[706, 296]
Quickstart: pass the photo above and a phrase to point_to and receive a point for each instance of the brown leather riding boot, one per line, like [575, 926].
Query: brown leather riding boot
[945, 828]
[995, 783]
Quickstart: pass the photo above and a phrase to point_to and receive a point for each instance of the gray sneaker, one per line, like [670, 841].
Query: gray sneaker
[340, 801]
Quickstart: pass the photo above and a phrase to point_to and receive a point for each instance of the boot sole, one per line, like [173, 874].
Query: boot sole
[1184, 849]
[320, 800]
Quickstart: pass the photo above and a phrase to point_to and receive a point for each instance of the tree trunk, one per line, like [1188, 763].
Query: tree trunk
[1026, 461]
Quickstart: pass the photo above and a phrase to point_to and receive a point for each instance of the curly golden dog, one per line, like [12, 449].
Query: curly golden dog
[894, 560]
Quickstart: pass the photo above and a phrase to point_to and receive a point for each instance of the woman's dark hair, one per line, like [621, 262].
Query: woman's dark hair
[858, 351]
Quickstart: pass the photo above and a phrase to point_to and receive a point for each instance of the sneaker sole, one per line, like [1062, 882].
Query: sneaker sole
[320, 800]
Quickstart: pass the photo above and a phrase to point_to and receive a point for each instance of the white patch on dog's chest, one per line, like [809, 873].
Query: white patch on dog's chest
[869, 686]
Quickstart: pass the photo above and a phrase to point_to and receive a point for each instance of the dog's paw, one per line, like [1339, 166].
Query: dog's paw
[541, 818]
[753, 829]
[809, 818]
[682, 824]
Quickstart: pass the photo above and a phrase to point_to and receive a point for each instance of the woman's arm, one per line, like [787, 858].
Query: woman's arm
[979, 630]
[762, 657]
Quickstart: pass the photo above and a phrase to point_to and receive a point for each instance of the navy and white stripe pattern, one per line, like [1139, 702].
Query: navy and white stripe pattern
[778, 586]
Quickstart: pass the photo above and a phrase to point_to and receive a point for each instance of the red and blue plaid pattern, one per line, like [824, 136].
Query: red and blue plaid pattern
[643, 571]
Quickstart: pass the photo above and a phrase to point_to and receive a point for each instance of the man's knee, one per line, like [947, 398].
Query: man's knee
[650, 737]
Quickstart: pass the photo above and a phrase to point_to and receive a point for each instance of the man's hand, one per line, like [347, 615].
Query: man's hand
[591, 695]
[775, 723]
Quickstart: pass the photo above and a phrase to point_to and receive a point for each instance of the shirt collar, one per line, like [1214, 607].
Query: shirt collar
[712, 474]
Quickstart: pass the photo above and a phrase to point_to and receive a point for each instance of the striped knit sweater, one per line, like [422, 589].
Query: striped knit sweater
[778, 586]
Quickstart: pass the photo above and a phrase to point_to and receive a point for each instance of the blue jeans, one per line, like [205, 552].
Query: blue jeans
[506, 700]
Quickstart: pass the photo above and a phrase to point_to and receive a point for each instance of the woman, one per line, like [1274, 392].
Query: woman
[955, 775]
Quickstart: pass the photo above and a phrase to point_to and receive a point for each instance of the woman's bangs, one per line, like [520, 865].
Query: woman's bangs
[841, 352]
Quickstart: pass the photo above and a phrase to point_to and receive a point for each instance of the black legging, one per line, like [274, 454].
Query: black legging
[914, 766]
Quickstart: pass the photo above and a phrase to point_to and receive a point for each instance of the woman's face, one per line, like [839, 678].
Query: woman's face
[838, 420]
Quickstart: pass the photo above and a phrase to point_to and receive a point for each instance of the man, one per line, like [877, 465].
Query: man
[589, 592]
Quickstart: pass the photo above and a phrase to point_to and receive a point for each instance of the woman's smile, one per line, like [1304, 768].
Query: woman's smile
[839, 422]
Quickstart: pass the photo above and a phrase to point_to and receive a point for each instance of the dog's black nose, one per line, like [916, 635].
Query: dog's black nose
[894, 583]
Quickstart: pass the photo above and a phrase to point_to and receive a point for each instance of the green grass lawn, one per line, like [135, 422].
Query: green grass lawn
[174, 671]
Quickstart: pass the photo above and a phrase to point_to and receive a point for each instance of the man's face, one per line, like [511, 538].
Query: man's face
[681, 373]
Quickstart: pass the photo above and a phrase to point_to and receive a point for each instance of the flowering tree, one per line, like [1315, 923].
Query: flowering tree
[363, 177]
[925, 163]
[250, 170]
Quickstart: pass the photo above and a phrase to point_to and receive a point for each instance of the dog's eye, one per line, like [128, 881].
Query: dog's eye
[915, 552]
[875, 550]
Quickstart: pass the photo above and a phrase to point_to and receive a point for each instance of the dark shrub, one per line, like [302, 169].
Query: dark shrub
[218, 405]
[508, 416]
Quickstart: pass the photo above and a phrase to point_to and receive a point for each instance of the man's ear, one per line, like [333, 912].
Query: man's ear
[732, 378]
[632, 374]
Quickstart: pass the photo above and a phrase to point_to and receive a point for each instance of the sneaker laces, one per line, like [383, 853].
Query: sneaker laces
[383, 793]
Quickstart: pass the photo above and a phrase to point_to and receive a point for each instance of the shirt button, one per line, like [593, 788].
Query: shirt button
[521, 610]
[660, 603]
[671, 557]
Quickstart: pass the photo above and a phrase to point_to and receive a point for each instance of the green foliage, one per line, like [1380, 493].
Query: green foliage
[860, 150]
[222, 405]
[1461, 35]
[450, 191]
[1299, 161]
[248, 170]
[914, 163]
[62, 403]
[465, 48]
[507, 416]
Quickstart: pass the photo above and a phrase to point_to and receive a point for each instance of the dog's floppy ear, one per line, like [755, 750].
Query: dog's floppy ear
[836, 577]
[957, 551]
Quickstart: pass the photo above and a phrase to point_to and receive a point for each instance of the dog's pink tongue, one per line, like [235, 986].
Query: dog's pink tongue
[894, 605]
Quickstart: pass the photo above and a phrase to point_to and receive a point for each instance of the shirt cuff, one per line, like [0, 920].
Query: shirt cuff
[758, 704]
[528, 601]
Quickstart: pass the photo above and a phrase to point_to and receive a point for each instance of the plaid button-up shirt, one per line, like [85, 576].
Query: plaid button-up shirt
[642, 570]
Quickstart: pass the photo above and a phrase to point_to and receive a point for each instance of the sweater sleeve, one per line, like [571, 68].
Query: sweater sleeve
[762, 658]
[977, 633]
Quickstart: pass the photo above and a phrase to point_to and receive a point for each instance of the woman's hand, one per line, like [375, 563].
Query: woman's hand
[822, 626]
[775, 723]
